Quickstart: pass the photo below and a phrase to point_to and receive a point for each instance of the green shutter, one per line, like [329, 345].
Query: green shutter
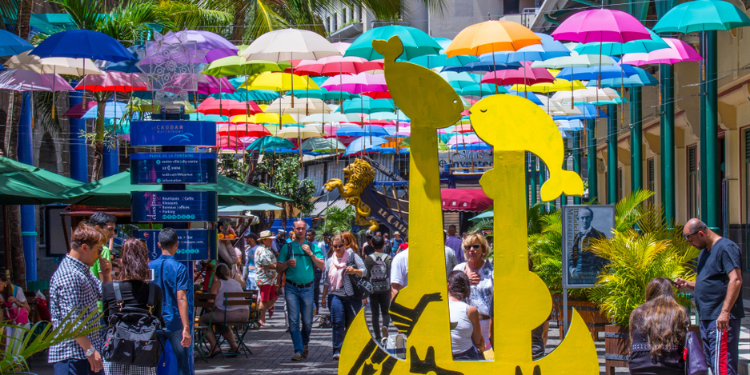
[691, 160]
[747, 146]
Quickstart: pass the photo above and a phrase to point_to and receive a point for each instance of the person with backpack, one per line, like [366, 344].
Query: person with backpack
[343, 305]
[378, 265]
[132, 299]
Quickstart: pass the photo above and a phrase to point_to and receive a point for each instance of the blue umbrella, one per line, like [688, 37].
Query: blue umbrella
[443, 42]
[79, 44]
[569, 125]
[365, 104]
[363, 144]
[530, 96]
[592, 73]
[127, 66]
[197, 116]
[437, 61]
[12, 44]
[550, 48]
[642, 78]
[389, 150]
[356, 131]
[112, 110]
[635, 46]
[481, 146]
[241, 95]
[588, 112]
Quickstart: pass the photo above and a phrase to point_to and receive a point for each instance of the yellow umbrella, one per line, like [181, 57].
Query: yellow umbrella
[299, 133]
[263, 118]
[276, 81]
[545, 88]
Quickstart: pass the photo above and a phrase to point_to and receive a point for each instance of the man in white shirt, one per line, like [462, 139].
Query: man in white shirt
[400, 269]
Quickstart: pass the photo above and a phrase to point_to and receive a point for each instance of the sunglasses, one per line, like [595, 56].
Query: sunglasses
[338, 246]
[475, 246]
[687, 236]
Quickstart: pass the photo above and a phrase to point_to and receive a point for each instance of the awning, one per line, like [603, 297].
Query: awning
[256, 207]
[470, 200]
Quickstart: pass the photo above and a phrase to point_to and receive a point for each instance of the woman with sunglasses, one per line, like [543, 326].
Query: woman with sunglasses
[481, 277]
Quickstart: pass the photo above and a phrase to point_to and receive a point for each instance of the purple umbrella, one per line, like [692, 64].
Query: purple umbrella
[26, 80]
[206, 84]
[215, 46]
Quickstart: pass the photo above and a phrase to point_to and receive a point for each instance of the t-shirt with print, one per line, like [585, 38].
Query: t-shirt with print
[265, 257]
[303, 273]
[712, 281]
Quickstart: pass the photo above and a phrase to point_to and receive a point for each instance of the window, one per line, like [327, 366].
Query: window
[335, 22]
[343, 17]
[360, 13]
[651, 180]
[693, 203]
[328, 24]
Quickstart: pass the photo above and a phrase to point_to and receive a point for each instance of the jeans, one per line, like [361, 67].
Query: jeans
[299, 302]
[721, 348]
[316, 290]
[74, 367]
[343, 311]
[379, 304]
[469, 355]
[181, 353]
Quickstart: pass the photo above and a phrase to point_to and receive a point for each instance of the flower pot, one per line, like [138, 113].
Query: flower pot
[616, 347]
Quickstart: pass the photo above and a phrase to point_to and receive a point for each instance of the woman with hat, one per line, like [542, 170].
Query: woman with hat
[265, 273]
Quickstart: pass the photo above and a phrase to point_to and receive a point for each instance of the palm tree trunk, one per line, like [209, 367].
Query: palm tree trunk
[23, 26]
[18, 262]
[238, 25]
[96, 172]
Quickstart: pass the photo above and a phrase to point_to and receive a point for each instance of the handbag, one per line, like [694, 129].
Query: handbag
[131, 333]
[361, 287]
[695, 359]
[17, 315]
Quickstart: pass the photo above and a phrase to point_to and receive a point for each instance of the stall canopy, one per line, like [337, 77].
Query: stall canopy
[25, 184]
[469, 200]
[254, 207]
[114, 191]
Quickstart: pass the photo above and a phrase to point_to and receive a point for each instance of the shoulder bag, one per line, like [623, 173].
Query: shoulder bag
[361, 287]
[695, 359]
[131, 333]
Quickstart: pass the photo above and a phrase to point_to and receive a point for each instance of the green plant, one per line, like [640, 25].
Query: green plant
[280, 175]
[339, 220]
[41, 336]
[231, 167]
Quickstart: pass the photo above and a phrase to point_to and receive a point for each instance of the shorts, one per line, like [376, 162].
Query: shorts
[267, 293]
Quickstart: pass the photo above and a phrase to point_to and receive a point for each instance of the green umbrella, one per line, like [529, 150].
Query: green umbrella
[268, 143]
[114, 191]
[484, 215]
[439, 61]
[481, 90]
[323, 145]
[365, 104]
[702, 15]
[25, 184]
[238, 66]
[323, 94]
[416, 42]
[616, 49]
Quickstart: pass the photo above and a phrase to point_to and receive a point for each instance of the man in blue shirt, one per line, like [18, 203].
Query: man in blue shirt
[298, 258]
[172, 277]
[717, 296]
[397, 241]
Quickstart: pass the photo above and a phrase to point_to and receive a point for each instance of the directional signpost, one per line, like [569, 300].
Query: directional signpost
[173, 206]
[173, 168]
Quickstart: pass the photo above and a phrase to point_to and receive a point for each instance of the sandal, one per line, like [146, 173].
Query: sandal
[270, 311]
[214, 354]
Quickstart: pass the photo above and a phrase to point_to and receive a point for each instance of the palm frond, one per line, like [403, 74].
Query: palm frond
[9, 9]
[194, 15]
[265, 19]
[629, 208]
[85, 13]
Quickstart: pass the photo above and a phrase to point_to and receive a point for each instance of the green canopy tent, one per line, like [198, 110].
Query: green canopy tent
[254, 207]
[26, 184]
[114, 191]
[483, 215]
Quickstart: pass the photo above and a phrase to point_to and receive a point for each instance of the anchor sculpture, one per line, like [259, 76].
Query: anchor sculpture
[512, 125]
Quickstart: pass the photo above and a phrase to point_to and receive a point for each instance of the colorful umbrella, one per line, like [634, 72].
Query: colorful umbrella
[438, 61]
[341, 47]
[112, 110]
[546, 87]
[524, 75]
[416, 42]
[599, 26]
[12, 44]
[363, 82]
[82, 44]
[363, 144]
[642, 78]
[52, 65]
[269, 143]
[323, 94]
[678, 51]
[574, 61]
[287, 105]
[323, 117]
[237, 65]
[702, 15]
[322, 145]
[276, 81]
[26, 80]
[78, 110]
[550, 48]
[112, 81]
[263, 118]
[216, 47]
[299, 132]
[459, 80]
[356, 131]
[481, 90]
[491, 36]
[616, 49]
[335, 65]
[594, 72]
[211, 106]
[290, 44]
[366, 105]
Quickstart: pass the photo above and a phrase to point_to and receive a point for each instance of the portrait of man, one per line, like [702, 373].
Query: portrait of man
[591, 223]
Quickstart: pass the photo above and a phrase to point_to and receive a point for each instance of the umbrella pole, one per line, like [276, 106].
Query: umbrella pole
[525, 82]
[221, 109]
[54, 81]
[494, 71]
[83, 103]
[572, 85]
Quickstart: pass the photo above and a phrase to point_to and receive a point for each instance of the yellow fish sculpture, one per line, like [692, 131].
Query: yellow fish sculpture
[522, 301]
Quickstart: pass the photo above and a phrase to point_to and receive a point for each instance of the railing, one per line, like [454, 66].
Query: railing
[528, 15]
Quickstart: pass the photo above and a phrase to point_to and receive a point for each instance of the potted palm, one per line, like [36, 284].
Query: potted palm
[656, 249]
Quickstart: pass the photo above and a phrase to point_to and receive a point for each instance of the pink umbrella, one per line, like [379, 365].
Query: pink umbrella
[77, 110]
[228, 107]
[463, 139]
[341, 46]
[465, 128]
[362, 82]
[525, 75]
[205, 84]
[336, 65]
[678, 51]
[601, 25]
[26, 80]
[242, 130]
[112, 81]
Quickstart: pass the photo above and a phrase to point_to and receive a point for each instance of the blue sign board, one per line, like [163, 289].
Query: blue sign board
[194, 244]
[173, 133]
[173, 168]
[170, 206]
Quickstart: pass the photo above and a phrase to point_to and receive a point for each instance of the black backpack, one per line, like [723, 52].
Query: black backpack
[131, 333]
[379, 273]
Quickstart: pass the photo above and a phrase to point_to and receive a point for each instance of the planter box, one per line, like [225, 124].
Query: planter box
[616, 348]
[595, 320]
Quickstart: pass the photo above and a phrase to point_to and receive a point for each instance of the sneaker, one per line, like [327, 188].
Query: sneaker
[305, 352]
[335, 356]
[297, 357]
[384, 331]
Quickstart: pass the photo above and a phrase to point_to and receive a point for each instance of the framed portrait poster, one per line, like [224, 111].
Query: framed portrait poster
[581, 224]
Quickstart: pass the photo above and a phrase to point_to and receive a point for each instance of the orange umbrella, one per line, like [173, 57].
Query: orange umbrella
[491, 36]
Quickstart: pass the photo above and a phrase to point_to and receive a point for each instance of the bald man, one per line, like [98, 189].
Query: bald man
[717, 295]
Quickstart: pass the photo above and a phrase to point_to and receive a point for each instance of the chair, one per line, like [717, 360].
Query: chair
[238, 329]
[203, 302]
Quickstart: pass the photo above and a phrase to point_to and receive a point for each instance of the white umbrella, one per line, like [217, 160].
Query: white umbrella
[300, 106]
[590, 94]
[52, 65]
[288, 45]
[321, 118]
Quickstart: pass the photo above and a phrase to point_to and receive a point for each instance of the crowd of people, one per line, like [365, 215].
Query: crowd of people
[313, 273]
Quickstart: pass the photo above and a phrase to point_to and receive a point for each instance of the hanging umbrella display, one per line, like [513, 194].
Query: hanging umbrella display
[82, 44]
[642, 78]
[112, 81]
[524, 75]
[238, 66]
[702, 15]
[416, 42]
[112, 110]
[574, 61]
[548, 49]
[289, 44]
[270, 143]
[216, 47]
[244, 130]
[12, 44]
[276, 81]
[335, 65]
[491, 36]
[363, 82]
[599, 26]
[264, 118]
[617, 49]
[487, 63]
[594, 72]
[26, 80]
[678, 51]
[363, 144]
[287, 105]
[546, 87]
[323, 145]
[367, 105]
[242, 95]
[299, 132]
[211, 106]
[52, 65]
[356, 131]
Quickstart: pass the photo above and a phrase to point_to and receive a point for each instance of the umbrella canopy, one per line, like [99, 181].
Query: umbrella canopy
[276, 81]
[491, 36]
[269, 143]
[26, 80]
[287, 105]
[464, 139]
[616, 49]
[150, 105]
[238, 66]
[588, 112]
[594, 72]
[459, 80]
[642, 78]
[366, 105]
[242, 95]
[25, 184]
[244, 130]
[111, 110]
[322, 94]
[356, 131]
[114, 191]
[569, 125]
[324, 117]
[201, 117]
[126, 66]
[416, 42]
[52, 65]
[216, 47]
[438, 61]
[78, 110]
[469, 200]
[363, 82]
[113, 81]
[547, 87]
[525, 75]
[341, 46]
[82, 44]
[483, 215]
[264, 118]
[290, 44]
[12, 44]
[702, 15]
[335, 65]
[678, 51]
[588, 95]
[575, 61]
[228, 107]
[601, 25]
[481, 90]
[322, 145]
[363, 144]
[550, 48]
[299, 132]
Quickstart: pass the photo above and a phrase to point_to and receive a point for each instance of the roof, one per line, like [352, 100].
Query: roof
[326, 201]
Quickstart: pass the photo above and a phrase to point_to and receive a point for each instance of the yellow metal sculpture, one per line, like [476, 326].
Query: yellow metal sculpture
[522, 301]
[358, 175]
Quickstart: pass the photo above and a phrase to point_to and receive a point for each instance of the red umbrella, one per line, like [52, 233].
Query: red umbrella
[242, 130]
[335, 65]
[471, 200]
[378, 94]
[228, 107]
[112, 81]
[525, 75]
